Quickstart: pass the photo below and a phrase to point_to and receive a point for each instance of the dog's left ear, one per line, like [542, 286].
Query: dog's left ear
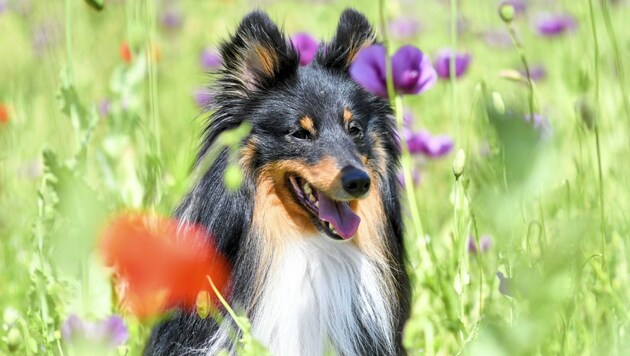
[354, 32]
[257, 55]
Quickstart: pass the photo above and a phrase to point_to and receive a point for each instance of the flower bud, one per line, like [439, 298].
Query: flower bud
[498, 103]
[506, 11]
[13, 339]
[458, 163]
[203, 304]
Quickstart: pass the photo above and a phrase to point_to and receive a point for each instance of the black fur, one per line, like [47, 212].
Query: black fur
[272, 103]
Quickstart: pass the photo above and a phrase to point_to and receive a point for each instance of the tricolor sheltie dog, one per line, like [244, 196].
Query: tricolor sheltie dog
[314, 233]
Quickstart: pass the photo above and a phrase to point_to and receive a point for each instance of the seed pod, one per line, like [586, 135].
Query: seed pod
[498, 103]
[458, 163]
[13, 339]
[586, 113]
[203, 304]
[506, 11]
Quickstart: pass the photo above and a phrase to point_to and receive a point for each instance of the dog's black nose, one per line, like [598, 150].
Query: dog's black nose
[355, 181]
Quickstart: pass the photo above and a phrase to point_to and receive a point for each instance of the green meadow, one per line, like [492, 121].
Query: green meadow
[526, 252]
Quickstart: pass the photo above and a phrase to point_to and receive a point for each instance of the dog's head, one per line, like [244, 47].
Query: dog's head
[320, 144]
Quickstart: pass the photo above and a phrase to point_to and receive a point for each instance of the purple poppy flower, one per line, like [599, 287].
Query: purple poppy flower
[110, 332]
[408, 118]
[172, 19]
[306, 45]
[210, 59]
[424, 143]
[404, 27]
[485, 244]
[537, 72]
[443, 63]
[203, 98]
[518, 5]
[104, 107]
[412, 71]
[551, 25]
[415, 177]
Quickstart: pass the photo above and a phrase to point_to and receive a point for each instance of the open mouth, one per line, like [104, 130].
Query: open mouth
[333, 217]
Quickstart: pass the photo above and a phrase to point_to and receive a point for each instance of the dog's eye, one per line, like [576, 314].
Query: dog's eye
[355, 131]
[302, 135]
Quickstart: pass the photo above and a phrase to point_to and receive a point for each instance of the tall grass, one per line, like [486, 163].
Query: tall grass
[555, 203]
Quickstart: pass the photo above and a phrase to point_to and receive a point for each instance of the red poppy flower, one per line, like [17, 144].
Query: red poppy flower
[125, 52]
[160, 264]
[4, 114]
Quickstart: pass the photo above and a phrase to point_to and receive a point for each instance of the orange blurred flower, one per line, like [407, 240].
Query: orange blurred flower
[160, 265]
[125, 52]
[4, 114]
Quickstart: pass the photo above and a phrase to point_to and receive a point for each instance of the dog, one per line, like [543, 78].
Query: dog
[314, 233]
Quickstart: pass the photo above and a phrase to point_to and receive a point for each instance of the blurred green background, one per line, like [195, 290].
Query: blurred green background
[86, 131]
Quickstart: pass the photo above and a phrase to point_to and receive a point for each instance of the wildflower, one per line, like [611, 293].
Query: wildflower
[412, 71]
[125, 52]
[551, 25]
[210, 59]
[429, 145]
[536, 73]
[4, 114]
[203, 97]
[172, 19]
[404, 27]
[540, 123]
[109, 333]
[306, 45]
[104, 107]
[443, 63]
[415, 177]
[485, 244]
[150, 285]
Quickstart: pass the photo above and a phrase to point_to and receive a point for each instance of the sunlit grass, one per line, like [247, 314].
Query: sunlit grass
[555, 203]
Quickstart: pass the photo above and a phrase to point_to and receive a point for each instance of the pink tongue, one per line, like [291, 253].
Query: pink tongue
[339, 214]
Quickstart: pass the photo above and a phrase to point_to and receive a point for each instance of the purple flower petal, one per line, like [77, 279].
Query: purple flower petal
[485, 243]
[368, 69]
[537, 72]
[210, 59]
[551, 25]
[505, 284]
[432, 146]
[412, 71]
[113, 330]
[404, 27]
[172, 19]
[203, 98]
[104, 107]
[540, 123]
[443, 63]
[408, 118]
[306, 45]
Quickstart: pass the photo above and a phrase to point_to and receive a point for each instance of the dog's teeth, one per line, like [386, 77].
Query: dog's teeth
[335, 232]
[307, 189]
[331, 226]
[316, 204]
[311, 198]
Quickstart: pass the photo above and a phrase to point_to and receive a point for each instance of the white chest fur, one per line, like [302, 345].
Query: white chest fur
[322, 295]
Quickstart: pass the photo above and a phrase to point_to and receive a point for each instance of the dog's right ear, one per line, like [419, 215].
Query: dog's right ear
[256, 55]
[354, 32]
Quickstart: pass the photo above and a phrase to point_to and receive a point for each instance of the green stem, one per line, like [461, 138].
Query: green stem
[618, 61]
[602, 216]
[454, 111]
[521, 53]
[69, 64]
